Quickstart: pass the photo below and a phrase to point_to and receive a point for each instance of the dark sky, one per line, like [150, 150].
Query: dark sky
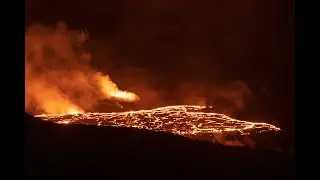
[185, 41]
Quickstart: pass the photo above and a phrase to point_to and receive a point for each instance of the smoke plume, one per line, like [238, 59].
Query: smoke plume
[231, 98]
[59, 78]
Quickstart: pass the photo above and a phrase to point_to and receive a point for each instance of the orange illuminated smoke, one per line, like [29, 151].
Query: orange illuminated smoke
[111, 90]
[58, 75]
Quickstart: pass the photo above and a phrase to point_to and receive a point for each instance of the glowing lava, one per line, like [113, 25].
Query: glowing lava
[74, 111]
[182, 120]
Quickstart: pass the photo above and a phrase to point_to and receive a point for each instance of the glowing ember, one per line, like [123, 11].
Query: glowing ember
[182, 120]
[63, 122]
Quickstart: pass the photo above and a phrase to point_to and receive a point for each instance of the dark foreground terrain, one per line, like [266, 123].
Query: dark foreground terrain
[56, 151]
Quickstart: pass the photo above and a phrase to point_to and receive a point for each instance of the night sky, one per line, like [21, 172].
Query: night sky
[206, 44]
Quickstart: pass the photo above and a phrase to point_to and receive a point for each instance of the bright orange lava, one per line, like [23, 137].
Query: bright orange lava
[183, 120]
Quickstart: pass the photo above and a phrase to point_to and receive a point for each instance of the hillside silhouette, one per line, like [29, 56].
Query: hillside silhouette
[55, 151]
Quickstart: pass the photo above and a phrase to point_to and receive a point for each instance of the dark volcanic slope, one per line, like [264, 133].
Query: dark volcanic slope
[88, 152]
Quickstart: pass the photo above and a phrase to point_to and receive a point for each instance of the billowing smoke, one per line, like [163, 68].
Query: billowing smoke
[59, 78]
[193, 93]
[145, 83]
[231, 98]
[228, 98]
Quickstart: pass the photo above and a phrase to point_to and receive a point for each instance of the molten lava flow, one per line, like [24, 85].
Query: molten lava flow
[183, 120]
